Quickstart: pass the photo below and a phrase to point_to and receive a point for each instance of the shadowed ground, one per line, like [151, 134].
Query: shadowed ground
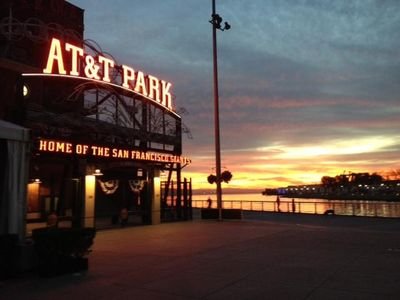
[276, 256]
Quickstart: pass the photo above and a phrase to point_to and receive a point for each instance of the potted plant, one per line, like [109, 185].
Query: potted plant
[62, 250]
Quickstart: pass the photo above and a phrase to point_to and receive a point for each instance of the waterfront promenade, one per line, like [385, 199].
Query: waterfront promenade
[264, 256]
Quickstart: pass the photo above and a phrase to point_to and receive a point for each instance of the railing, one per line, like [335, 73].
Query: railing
[349, 208]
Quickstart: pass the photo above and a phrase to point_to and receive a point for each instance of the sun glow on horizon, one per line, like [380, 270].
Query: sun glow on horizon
[283, 165]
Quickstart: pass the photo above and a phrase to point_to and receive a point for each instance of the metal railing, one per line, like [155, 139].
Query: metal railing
[349, 208]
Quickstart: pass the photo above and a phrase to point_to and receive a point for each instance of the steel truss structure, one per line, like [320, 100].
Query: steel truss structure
[87, 111]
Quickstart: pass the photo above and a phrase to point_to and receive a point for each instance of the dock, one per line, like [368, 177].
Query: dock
[268, 256]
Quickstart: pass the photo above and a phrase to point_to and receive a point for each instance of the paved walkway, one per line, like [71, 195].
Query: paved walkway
[280, 257]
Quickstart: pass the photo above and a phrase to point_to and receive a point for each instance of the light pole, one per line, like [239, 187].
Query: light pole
[216, 21]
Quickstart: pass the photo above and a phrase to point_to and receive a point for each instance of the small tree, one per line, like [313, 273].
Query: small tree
[328, 181]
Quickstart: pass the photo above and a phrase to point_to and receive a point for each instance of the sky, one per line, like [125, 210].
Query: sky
[307, 88]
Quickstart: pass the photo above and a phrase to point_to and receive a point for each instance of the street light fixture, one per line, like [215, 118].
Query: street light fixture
[216, 21]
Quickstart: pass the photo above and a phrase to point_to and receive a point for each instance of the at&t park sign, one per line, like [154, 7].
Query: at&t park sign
[67, 60]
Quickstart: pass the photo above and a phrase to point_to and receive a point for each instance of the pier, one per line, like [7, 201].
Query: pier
[357, 208]
[276, 256]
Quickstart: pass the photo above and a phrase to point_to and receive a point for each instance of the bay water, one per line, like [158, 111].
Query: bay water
[259, 202]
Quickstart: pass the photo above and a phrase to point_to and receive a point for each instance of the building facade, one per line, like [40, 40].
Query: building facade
[100, 143]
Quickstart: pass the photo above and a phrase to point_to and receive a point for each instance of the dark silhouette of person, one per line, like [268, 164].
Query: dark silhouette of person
[52, 219]
[209, 202]
[124, 216]
[278, 203]
[293, 206]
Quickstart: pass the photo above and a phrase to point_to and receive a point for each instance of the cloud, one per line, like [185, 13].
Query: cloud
[307, 88]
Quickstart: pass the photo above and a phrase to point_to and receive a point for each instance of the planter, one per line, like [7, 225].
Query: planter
[60, 265]
[62, 250]
[212, 213]
[8, 255]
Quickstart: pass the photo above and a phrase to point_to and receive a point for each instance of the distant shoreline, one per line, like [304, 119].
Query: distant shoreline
[332, 196]
[226, 191]
[389, 198]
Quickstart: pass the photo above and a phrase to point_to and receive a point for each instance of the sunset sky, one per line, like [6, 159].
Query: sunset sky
[307, 88]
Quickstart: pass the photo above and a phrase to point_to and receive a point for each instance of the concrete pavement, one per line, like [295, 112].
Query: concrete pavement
[281, 256]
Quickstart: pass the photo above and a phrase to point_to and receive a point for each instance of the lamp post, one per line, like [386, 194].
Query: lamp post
[216, 21]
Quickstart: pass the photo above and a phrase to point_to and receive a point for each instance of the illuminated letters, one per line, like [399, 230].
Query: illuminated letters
[154, 88]
[166, 96]
[55, 53]
[137, 155]
[107, 63]
[136, 81]
[140, 86]
[81, 149]
[55, 146]
[128, 74]
[75, 52]
[119, 153]
[42, 145]
[100, 151]
[91, 68]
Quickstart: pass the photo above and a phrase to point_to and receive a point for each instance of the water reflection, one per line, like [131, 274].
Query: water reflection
[258, 202]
